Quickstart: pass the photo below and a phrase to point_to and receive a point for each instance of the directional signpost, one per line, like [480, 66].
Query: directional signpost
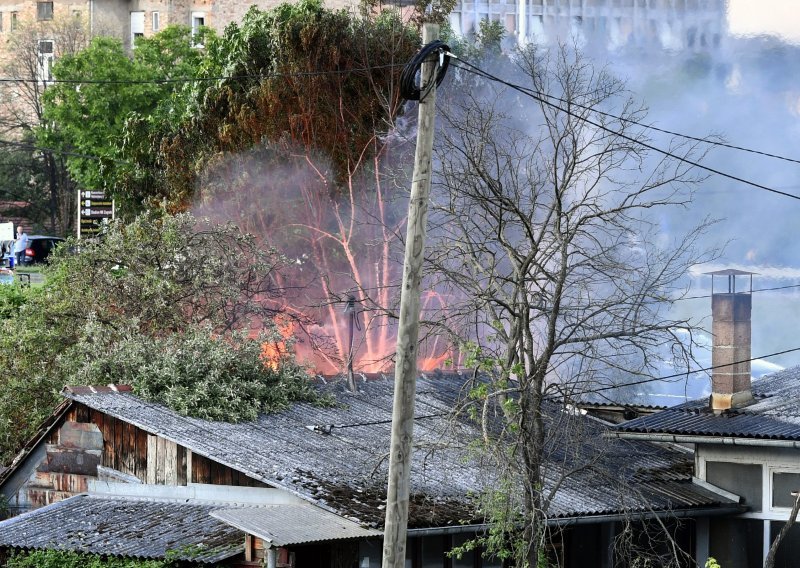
[94, 210]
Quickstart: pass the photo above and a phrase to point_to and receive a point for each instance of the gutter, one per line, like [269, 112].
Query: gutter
[692, 439]
[595, 519]
[643, 516]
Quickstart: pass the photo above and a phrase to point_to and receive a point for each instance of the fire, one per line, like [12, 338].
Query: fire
[339, 244]
[274, 351]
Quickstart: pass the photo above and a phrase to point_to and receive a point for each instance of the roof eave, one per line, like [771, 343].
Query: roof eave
[704, 439]
[43, 431]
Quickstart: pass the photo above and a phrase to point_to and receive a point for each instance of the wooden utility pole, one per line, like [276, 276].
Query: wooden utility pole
[405, 374]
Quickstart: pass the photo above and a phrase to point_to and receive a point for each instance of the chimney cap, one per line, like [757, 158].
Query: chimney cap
[730, 272]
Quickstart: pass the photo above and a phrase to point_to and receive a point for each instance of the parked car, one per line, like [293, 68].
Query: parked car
[39, 248]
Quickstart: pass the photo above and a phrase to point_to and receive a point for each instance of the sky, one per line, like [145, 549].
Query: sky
[758, 17]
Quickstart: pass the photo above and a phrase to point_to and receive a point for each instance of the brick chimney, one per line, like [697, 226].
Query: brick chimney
[730, 311]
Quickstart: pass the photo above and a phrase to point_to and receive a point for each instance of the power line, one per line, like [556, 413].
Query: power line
[480, 72]
[327, 428]
[663, 130]
[753, 291]
[61, 152]
[646, 302]
[174, 80]
[686, 373]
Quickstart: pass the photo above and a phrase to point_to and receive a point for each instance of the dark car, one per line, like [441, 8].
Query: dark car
[39, 248]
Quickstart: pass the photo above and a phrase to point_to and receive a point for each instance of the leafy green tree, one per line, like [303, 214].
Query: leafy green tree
[156, 303]
[105, 83]
[193, 372]
[24, 172]
[45, 182]
[318, 81]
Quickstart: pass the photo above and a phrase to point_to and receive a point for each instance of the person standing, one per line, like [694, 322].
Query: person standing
[20, 244]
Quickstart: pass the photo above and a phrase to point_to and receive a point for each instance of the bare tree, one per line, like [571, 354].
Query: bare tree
[769, 562]
[29, 53]
[546, 240]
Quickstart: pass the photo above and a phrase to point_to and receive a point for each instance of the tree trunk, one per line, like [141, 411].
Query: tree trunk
[53, 181]
[769, 562]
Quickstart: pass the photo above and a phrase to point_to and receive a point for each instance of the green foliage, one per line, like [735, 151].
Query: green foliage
[193, 372]
[167, 55]
[490, 35]
[12, 298]
[503, 539]
[68, 559]
[712, 563]
[154, 303]
[163, 273]
[314, 78]
[24, 176]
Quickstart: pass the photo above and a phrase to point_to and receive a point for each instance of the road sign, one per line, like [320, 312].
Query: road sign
[95, 209]
[93, 194]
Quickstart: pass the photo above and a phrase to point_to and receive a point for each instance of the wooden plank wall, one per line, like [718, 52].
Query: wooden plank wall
[124, 445]
[153, 459]
[206, 471]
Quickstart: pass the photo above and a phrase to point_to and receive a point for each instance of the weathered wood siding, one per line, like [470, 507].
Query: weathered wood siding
[124, 445]
[153, 459]
[71, 454]
[207, 471]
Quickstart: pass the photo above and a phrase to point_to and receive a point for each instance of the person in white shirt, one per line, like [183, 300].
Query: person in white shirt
[20, 245]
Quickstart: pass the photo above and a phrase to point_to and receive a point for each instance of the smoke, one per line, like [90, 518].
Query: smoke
[727, 69]
[696, 76]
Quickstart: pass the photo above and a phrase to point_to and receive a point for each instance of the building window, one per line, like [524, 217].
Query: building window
[156, 22]
[46, 56]
[198, 21]
[742, 479]
[44, 11]
[784, 483]
[137, 26]
[13, 21]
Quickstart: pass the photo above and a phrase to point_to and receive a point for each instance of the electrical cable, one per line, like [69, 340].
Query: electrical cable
[664, 130]
[61, 152]
[480, 72]
[686, 374]
[197, 79]
[327, 428]
[408, 86]
[646, 302]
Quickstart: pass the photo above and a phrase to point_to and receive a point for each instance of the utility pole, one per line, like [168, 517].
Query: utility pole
[350, 310]
[405, 376]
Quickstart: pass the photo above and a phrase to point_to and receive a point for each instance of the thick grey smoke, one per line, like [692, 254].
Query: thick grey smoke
[700, 78]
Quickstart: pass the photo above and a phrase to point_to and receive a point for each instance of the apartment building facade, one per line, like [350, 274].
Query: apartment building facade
[129, 19]
[679, 25]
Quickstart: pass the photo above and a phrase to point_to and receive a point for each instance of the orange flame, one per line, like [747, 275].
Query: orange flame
[273, 352]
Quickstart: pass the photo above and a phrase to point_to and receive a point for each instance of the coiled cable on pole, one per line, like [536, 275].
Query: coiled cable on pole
[408, 85]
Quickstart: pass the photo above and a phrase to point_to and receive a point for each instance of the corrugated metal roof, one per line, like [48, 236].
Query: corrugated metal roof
[345, 470]
[283, 525]
[774, 414]
[126, 527]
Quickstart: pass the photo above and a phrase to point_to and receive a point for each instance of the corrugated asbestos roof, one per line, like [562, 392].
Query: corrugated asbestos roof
[126, 527]
[337, 458]
[774, 414]
[283, 525]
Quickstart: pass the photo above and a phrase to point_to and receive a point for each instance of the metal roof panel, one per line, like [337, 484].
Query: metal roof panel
[283, 525]
[125, 527]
